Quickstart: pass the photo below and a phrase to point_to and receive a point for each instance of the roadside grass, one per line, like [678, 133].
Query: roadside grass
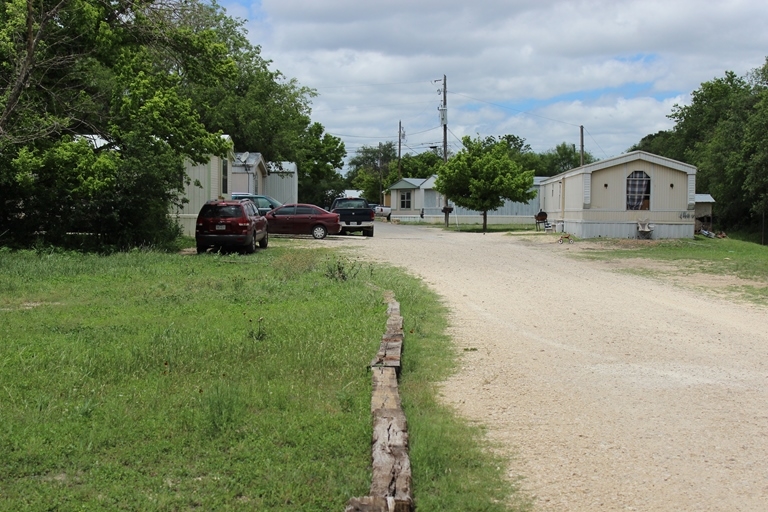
[716, 256]
[152, 381]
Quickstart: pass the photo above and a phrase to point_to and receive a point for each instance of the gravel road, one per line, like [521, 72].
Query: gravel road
[605, 391]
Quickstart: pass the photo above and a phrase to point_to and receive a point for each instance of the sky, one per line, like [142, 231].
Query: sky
[538, 69]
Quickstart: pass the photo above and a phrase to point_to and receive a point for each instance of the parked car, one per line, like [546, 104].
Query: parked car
[264, 203]
[303, 219]
[231, 223]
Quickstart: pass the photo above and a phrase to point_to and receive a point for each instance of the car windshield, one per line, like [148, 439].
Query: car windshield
[221, 211]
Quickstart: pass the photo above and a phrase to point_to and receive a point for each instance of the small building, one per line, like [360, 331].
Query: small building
[614, 197]
[703, 212]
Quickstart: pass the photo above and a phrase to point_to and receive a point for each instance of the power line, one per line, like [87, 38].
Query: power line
[598, 145]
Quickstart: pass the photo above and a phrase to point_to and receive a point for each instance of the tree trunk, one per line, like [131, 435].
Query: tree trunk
[485, 220]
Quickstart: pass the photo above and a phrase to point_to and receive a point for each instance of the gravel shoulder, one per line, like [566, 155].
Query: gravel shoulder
[604, 390]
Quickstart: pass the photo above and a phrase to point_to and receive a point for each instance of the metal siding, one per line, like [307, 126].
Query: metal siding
[626, 230]
[587, 190]
[574, 193]
[691, 191]
[283, 186]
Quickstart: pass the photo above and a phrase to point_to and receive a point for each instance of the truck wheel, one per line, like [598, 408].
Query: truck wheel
[264, 242]
[389, 217]
[319, 231]
[368, 232]
[201, 249]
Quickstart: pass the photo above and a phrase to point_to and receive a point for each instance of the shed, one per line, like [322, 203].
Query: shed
[614, 197]
[703, 212]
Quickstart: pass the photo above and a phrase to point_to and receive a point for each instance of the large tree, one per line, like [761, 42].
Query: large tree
[561, 158]
[260, 108]
[320, 158]
[371, 168]
[156, 82]
[483, 175]
[422, 165]
[723, 133]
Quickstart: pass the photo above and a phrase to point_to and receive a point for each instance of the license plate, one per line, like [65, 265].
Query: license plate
[221, 227]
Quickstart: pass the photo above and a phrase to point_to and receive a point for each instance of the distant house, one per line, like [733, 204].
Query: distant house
[609, 198]
[249, 173]
[410, 197]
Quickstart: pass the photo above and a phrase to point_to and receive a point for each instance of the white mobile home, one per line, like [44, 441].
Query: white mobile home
[410, 197]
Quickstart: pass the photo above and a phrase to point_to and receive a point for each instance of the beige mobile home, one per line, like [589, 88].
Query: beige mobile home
[207, 181]
[635, 195]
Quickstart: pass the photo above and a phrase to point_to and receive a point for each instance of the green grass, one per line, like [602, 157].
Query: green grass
[151, 381]
[727, 256]
[717, 256]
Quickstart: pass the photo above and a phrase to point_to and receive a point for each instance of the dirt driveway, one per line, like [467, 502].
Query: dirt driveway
[606, 391]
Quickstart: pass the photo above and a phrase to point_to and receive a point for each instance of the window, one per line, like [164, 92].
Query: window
[405, 200]
[288, 210]
[638, 191]
[224, 176]
[305, 210]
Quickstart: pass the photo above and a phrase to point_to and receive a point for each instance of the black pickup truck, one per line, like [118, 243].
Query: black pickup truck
[355, 214]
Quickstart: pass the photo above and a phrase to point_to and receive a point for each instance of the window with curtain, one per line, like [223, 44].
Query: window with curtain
[638, 191]
[405, 200]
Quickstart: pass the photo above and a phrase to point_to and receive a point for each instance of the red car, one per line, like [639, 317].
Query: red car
[303, 219]
[231, 223]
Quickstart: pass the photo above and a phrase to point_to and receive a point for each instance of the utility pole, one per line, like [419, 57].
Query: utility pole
[399, 149]
[381, 192]
[581, 130]
[444, 121]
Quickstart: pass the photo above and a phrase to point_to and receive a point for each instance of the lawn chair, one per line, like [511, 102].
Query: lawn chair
[644, 229]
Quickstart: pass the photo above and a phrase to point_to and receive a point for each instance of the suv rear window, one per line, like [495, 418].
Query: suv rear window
[210, 211]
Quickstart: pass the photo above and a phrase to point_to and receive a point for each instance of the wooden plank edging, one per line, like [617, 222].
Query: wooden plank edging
[391, 466]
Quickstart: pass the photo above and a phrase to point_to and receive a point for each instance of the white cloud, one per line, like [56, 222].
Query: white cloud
[615, 67]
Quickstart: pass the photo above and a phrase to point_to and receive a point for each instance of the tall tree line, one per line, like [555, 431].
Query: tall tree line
[102, 102]
[724, 133]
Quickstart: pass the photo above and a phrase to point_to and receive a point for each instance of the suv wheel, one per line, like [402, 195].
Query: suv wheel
[264, 242]
[319, 231]
[251, 247]
[201, 249]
